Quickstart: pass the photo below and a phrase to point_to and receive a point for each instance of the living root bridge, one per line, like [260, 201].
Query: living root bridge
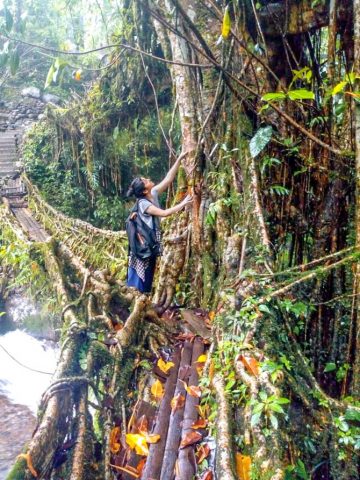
[64, 440]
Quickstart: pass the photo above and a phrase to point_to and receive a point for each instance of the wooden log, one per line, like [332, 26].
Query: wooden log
[176, 417]
[195, 324]
[186, 459]
[154, 461]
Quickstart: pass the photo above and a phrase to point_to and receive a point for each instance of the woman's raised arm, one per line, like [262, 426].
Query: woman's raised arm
[159, 212]
[164, 184]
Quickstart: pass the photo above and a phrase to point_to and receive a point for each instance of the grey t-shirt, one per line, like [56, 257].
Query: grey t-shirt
[144, 204]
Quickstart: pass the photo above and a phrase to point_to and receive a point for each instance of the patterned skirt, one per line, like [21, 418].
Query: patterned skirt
[140, 273]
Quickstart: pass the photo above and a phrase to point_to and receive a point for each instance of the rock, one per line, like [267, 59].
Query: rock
[50, 98]
[32, 92]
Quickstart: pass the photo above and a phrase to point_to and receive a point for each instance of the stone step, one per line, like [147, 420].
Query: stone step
[11, 160]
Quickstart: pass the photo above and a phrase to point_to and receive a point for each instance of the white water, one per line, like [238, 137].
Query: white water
[20, 384]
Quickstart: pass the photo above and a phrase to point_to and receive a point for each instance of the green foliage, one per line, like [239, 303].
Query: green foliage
[301, 94]
[296, 472]
[259, 141]
[348, 433]
[51, 173]
[279, 190]
[110, 212]
[267, 406]
[25, 262]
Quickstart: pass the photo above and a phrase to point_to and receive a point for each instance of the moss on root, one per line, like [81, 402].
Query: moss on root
[18, 471]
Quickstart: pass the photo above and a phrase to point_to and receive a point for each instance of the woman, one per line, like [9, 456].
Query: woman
[141, 272]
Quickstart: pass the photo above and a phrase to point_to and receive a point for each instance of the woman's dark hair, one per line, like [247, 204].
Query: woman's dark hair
[136, 188]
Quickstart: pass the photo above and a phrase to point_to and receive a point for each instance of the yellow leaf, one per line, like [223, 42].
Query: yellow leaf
[201, 359]
[164, 366]
[151, 438]
[28, 463]
[77, 75]
[138, 443]
[243, 466]
[157, 389]
[226, 26]
[212, 315]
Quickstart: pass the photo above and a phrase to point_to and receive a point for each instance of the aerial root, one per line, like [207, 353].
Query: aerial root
[224, 461]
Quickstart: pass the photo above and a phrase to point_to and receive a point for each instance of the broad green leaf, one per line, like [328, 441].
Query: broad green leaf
[273, 97]
[300, 470]
[352, 415]
[4, 57]
[260, 140]
[116, 132]
[338, 88]
[301, 94]
[50, 76]
[264, 308]
[9, 21]
[282, 400]
[226, 25]
[258, 408]
[263, 395]
[329, 367]
[14, 61]
[255, 419]
[275, 407]
[274, 421]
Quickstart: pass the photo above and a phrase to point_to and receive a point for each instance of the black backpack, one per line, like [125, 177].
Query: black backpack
[142, 239]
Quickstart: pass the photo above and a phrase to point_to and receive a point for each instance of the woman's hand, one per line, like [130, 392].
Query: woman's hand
[187, 200]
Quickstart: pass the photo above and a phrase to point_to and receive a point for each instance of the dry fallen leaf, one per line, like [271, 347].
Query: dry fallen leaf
[157, 389]
[140, 466]
[114, 440]
[29, 464]
[190, 438]
[243, 466]
[177, 468]
[192, 390]
[164, 366]
[207, 475]
[211, 370]
[251, 364]
[142, 425]
[177, 402]
[202, 453]
[186, 336]
[138, 443]
[201, 423]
